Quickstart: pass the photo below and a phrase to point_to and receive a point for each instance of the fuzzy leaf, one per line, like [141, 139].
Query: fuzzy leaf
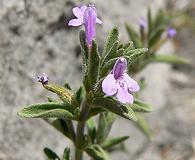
[155, 36]
[127, 47]
[46, 110]
[106, 120]
[135, 53]
[150, 21]
[80, 94]
[94, 111]
[50, 154]
[91, 129]
[93, 65]
[120, 52]
[115, 107]
[84, 46]
[112, 142]
[60, 125]
[111, 53]
[96, 152]
[143, 126]
[169, 59]
[112, 38]
[139, 106]
[134, 36]
[66, 155]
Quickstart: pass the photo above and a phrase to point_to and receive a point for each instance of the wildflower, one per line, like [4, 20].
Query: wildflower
[171, 32]
[86, 15]
[44, 79]
[142, 23]
[119, 83]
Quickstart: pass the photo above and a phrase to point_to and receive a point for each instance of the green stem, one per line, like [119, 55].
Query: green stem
[80, 131]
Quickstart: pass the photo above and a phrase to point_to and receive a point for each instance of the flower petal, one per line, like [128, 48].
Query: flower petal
[75, 22]
[131, 83]
[109, 85]
[77, 12]
[120, 67]
[123, 95]
[98, 21]
[83, 8]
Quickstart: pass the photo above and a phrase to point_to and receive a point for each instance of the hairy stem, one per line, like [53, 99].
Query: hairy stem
[80, 139]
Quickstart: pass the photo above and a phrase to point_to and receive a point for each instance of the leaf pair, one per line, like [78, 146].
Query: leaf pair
[51, 155]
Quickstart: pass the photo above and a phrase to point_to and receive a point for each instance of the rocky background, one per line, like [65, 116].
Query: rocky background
[35, 38]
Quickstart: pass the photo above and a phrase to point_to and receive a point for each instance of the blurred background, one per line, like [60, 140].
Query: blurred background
[35, 38]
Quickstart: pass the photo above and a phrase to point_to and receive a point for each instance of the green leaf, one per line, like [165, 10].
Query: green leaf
[169, 59]
[95, 110]
[111, 53]
[134, 36]
[112, 38]
[120, 52]
[66, 155]
[60, 125]
[46, 110]
[140, 106]
[84, 46]
[135, 53]
[96, 152]
[85, 53]
[107, 144]
[155, 36]
[115, 107]
[143, 126]
[91, 129]
[80, 94]
[129, 112]
[150, 21]
[106, 120]
[127, 47]
[93, 65]
[50, 154]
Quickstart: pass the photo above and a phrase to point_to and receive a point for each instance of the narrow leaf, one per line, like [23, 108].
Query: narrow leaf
[106, 120]
[135, 53]
[143, 126]
[60, 125]
[93, 65]
[91, 129]
[114, 106]
[169, 59]
[51, 155]
[96, 152]
[46, 110]
[112, 38]
[134, 36]
[139, 106]
[66, 155]
[107, 144]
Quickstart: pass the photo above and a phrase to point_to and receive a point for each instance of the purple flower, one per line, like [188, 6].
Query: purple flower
[171, 32]
[86, 15]
[119, 83]
[142, 23]
[44, 79]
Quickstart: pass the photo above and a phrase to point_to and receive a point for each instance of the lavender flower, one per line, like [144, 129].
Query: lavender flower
[86, 15]
[44, 79]
[120, 83]
[171, 32]
[142, 23]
